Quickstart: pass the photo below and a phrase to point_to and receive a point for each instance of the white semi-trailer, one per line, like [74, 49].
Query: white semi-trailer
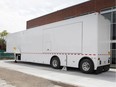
[82, 42]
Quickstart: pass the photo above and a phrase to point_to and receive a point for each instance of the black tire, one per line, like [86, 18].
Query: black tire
[86, 66]
[55, 63]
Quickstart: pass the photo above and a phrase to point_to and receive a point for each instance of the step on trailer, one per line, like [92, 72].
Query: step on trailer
[82, 42]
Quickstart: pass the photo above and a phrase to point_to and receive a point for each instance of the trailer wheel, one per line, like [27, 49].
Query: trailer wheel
[55, 62]
[86, 66]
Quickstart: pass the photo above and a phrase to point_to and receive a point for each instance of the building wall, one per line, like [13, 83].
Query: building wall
[84, 8]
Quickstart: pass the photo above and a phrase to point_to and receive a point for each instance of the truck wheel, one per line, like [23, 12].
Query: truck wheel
[86, 66]
[55, 63]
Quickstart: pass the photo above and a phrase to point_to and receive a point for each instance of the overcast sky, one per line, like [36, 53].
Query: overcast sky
[15, 13]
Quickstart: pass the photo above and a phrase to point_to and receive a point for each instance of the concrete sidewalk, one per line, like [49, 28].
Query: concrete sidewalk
[107, 79]
[113, 66]
[3, 83]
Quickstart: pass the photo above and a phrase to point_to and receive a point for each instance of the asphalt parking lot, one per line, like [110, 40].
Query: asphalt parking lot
[72, 76]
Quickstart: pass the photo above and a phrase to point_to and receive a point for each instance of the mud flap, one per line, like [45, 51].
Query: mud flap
[102, 69]
[99, 70]
[106, 68]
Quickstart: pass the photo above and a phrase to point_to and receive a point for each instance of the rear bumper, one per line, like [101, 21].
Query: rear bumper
[104, 68]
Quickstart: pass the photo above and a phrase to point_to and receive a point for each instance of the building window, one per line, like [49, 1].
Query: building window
[107, 15]
[113, 46]
[113, 55]
[113, 31]
[110, 14]
[114, 17]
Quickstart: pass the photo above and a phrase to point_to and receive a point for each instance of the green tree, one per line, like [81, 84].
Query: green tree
[3, 34]
[2, 40]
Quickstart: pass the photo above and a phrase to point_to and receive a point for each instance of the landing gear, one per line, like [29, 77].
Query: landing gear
[15, 61]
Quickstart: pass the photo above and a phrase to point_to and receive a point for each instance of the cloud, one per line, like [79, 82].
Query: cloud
[15, 13]
[12, 22]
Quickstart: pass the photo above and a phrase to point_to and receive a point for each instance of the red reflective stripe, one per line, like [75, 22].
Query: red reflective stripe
[63, 53]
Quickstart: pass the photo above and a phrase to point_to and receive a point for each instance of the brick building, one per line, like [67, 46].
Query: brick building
[105, 7]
